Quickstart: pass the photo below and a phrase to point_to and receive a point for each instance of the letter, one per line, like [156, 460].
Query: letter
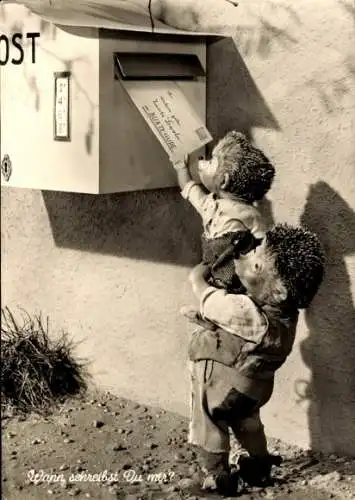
[80, 476]
[18, 45]
[154, 477]
[49, 478]
[31, 475]
[129, 475]
[38, 477]
[7, 49]
[33, 36]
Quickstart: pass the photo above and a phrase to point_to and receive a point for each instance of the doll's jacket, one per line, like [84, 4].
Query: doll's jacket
[234, 330]
[221, 216]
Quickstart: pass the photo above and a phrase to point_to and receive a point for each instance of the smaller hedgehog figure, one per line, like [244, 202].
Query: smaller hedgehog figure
[237, 176]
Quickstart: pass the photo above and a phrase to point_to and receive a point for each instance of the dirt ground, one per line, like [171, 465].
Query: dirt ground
[104, 447]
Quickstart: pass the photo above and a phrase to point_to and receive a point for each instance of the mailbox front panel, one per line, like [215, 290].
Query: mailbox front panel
[131, 158]
[67, 124]
[44, 150]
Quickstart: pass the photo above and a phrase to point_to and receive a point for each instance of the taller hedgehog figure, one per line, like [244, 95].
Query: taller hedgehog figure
[244, 340]
[236, 177]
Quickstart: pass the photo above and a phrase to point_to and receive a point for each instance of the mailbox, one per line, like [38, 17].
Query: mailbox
[68, 121]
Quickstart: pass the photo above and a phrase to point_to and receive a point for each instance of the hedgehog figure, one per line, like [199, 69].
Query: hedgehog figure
[237, 176]
[243, 340]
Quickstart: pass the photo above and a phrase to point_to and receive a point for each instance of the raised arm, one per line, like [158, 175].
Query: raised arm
[235, 313]
[192, 191]
[183, 173]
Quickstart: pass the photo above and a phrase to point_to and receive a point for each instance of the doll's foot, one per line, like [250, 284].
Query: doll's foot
[224, 483]
[218, 477]
[256, 471]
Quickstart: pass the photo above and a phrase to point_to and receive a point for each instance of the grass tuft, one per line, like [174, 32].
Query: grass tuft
[37, 372]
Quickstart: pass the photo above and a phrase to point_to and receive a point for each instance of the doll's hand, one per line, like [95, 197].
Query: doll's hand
[198, 279]
[182, 171]
[181, 164]
[201, 271]
[190, 312]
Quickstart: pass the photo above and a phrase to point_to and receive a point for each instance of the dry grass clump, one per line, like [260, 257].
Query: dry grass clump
[37, 372]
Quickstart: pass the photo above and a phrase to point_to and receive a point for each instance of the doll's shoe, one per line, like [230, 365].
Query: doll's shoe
[218, 476]
[256, 471]
[224, 483]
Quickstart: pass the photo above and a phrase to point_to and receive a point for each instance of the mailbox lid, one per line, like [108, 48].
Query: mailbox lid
[110, 15]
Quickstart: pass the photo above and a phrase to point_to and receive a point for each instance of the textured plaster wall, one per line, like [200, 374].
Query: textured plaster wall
[112, 269]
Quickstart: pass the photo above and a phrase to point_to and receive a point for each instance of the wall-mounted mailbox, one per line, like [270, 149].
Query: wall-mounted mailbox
[68, 122]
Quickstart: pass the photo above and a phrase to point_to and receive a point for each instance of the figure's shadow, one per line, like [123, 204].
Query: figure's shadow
[153, 225]
[233, 99]
[329, 350]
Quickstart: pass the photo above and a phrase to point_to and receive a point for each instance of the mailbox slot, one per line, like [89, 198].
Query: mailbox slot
[157, 66]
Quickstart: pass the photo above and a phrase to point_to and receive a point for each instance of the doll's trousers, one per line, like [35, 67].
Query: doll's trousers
[216, 405]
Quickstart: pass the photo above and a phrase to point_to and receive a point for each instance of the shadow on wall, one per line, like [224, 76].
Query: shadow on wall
[333, 92]
[233, 99]
[348, 7]
[263, 34]
[154, 225]
[235, 102]
[329, 351]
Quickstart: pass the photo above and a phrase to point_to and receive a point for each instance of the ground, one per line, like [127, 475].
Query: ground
[138, 452]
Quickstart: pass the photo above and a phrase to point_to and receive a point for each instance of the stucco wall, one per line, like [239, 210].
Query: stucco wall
[112, 269]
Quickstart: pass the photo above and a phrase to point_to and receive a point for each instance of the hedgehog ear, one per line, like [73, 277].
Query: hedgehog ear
[279, 294]
[225, 181]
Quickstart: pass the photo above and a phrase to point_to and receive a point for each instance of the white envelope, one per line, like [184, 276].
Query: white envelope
[170, 116]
